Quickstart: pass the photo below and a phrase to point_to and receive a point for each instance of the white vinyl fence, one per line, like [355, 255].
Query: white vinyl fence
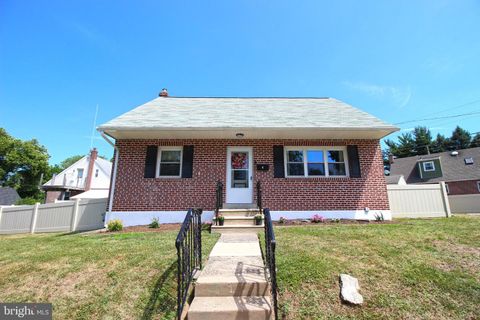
[418, 201]
[78, 215]
[465, 203]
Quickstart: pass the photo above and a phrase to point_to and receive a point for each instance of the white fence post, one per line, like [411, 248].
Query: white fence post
[75, 215]
[445, 199]
[34, 217]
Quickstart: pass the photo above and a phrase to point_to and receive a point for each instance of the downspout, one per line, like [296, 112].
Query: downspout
[112, 187]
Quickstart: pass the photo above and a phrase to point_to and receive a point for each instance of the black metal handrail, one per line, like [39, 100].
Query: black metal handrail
[259, 195]
[270, 245]
[189, 255]
[219, 200]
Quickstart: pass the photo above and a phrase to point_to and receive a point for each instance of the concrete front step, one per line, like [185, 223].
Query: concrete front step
[239, 228]
[230, 308]
[239, 206]
[233, 275]
[239, 212]
[234, 220]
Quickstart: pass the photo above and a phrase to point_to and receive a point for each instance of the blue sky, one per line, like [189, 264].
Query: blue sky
[397, 60]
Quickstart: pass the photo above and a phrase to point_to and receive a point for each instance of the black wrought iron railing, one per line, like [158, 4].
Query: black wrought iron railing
[189, 255]
[219, 200]
[270, 245]
[259, 195]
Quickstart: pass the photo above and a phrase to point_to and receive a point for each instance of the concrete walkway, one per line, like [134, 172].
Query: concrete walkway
[233, 284]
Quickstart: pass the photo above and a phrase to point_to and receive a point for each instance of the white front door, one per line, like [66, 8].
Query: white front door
[239, 175]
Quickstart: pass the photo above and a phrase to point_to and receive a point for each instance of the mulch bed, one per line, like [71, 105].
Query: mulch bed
[298, 222]
[288, 223]
[146, 228]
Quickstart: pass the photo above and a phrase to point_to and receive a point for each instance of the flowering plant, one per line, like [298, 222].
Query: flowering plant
[318, 218]
[282, 220]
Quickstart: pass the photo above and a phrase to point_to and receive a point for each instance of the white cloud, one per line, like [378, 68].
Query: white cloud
[400, 96]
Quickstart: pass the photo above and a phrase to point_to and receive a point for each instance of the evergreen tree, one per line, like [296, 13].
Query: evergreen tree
[475, 141]
[460, 139]
[423, 140]
[440, 144]
[405, 146]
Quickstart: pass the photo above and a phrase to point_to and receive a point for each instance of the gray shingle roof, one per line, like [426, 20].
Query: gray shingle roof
[8, 196]
[175, 113]
[453, 167]
[393, 179]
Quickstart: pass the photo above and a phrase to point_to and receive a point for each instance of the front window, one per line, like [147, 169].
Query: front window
[295, 164]
[79, 173]
[428, 166]
[169, 162]
[315, 162]
[336, 163]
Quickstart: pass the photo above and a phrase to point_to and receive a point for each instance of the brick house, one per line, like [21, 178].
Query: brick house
[310, 155]
[460, 170]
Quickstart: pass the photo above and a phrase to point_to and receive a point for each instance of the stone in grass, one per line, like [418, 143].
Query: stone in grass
[349, 290]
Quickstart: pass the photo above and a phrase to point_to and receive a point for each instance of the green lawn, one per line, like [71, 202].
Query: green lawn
[414, 269]
[94, 276]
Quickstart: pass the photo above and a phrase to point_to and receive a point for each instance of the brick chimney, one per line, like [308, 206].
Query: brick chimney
[91, 166]
[163, 93]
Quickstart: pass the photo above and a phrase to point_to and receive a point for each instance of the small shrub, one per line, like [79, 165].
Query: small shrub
[318, 218]
[282, 220]
[26, 201]
[336, 220]
[207, 226]
[379, 217]
[115, 225]
[155, 223]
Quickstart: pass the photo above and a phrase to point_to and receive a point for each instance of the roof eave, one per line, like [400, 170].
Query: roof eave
[254, 132]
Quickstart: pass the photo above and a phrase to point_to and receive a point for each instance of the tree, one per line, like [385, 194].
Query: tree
[405, 146]
[440, 144]
[475, 141]
[69, 161]
[423, 140]
[460, 139]
[22, 164]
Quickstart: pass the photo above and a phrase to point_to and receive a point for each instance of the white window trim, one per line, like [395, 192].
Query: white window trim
[429, 170]
[159, 154]
[478, 186]
[305, 161]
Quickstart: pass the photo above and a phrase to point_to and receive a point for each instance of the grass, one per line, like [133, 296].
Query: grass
[414, 269]
[94, 276]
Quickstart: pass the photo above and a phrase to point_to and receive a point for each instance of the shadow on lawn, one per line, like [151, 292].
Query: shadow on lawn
[160, 299]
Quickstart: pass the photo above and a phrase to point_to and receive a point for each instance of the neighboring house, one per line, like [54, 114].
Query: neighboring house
[395, 179]
[8, 196]
[459, 169]
[89, 177]
[311, 156]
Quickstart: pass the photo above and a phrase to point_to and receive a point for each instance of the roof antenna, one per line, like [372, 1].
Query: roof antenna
[93, 128]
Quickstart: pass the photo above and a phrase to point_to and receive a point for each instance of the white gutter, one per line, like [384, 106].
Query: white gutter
[112, 187]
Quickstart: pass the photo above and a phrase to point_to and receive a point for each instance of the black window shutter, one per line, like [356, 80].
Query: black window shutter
[278, 162]
[151, 161]
[353, 162]
[187, 162]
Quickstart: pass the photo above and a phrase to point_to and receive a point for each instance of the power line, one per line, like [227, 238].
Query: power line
[438, 118]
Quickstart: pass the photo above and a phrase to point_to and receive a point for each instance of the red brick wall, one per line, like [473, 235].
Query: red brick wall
[463, 187]
[135, 193]
[52, 196]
